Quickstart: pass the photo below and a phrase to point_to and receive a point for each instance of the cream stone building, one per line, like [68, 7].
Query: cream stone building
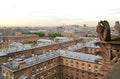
[53, 61]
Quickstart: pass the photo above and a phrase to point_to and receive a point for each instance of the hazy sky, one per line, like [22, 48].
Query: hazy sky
[58, 12]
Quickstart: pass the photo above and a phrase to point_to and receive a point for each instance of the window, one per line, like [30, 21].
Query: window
[82, 75]
[83, 72]
[89, 75]
[83, 66]
[66, 62]
[44, 66]
[49, 72]
[41, 68]
[7, 75]
[54, 70]
[48, 64]
[71, 71]
[71, 77]
[55, 77]
[51, 64]
[4, 74]
[66, 67]
[89, 67]
[72, 63]
[77, 72]
[66, 76]
[96, 69]
[77, 78]
[33, 71]
[54, 61]
[37, 70]
[61, 61]
[77, 64]
[96, 77]
[45, 74]
[41, 77]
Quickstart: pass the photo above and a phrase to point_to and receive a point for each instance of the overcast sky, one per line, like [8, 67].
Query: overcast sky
[58, 12]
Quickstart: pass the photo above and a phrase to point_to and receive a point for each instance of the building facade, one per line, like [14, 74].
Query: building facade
[55, 61]
[22, 39]
[59, 64]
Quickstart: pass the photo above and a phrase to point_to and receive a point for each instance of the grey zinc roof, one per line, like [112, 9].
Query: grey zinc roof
[79, 56]
[2, 53]
[16, 47]
[82, 45]
[21, 47]
[16, 44]
[45, 57]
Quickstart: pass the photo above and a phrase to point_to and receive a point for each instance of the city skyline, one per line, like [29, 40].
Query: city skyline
[57, 12]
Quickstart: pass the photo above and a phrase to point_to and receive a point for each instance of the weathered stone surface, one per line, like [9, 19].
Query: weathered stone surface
[117, 28]
[109, 50]
[103, 30]
[113, 73]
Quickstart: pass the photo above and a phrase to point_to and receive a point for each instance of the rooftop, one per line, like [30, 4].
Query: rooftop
[82, 45]
[14, 64]
[16, 47]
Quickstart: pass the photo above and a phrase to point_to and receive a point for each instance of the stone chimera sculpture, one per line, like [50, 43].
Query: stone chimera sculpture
[103, 30]
[109, 49]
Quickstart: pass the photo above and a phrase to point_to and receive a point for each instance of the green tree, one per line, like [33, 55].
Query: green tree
[40, 34]
[55, 35]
